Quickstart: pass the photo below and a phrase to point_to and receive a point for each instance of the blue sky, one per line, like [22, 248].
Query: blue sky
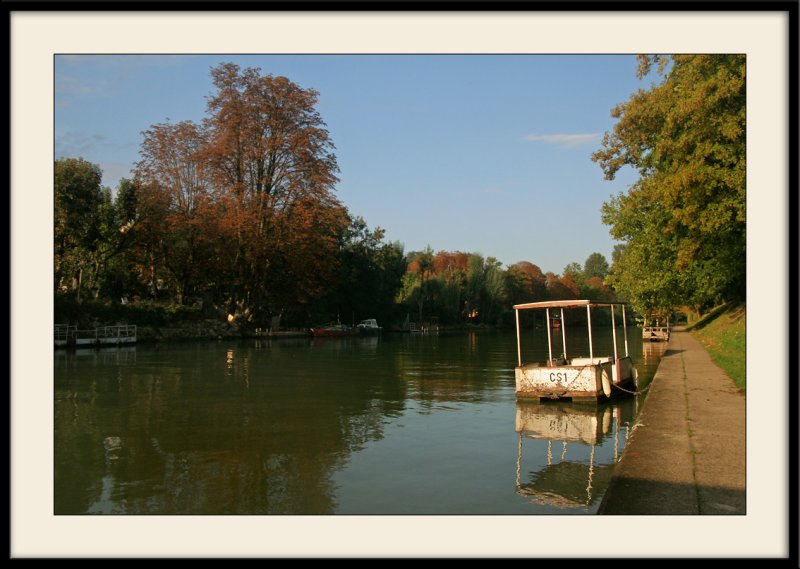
[475, 153]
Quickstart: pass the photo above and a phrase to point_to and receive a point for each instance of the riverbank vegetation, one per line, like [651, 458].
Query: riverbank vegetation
[236, 218]
[723, 333]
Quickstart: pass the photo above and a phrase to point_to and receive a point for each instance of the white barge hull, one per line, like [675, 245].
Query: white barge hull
[582, 379]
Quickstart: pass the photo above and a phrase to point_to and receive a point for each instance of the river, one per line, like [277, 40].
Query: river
[397, 424]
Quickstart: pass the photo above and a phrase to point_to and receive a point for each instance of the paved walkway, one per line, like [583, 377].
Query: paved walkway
[686, 453]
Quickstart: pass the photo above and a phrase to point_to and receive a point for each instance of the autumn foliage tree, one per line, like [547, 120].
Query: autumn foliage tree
[175, 193]
[272, 160]
[243, 204]
[526, 283]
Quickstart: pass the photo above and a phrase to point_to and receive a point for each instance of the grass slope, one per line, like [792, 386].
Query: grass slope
[722, 333]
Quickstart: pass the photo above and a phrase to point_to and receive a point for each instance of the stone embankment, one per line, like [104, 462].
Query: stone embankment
[203, 330]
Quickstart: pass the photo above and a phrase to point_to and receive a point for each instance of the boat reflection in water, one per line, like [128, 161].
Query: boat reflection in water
[653, 350]
[576, 472]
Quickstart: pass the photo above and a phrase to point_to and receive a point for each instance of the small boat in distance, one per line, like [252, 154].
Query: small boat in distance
[368, 327]
[332, 329]
[588, 377]
[657, 333]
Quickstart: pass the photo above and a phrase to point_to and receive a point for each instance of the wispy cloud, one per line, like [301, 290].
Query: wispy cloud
[84, 145]
[67, 85]
[564, 140]
[78, 145]
[80, 76]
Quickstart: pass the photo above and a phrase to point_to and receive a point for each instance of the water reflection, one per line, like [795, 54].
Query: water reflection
[409, 424]
[212, 428]
[570, 462]
[653, 350]
[457, 368]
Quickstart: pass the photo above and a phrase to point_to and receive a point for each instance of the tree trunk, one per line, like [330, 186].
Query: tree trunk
[78, 288]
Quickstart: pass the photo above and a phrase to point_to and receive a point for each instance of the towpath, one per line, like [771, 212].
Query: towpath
[686, 452]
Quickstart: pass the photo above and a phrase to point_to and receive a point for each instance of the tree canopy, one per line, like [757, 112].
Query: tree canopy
[683, 221]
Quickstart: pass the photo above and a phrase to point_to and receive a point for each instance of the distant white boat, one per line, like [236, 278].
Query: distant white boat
[657, 333]
[368, 327]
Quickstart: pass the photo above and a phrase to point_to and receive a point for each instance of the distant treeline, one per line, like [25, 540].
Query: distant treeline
[121, 251]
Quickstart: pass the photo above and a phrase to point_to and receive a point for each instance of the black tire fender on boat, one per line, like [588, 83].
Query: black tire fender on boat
[606, 380]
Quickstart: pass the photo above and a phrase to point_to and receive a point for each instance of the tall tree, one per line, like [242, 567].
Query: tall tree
[173, 177]
[595, 266]
[78, 207]
[686, 213]
[418, 285]
[273, 159]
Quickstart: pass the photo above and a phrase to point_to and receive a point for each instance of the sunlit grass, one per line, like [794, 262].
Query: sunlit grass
[723, 335]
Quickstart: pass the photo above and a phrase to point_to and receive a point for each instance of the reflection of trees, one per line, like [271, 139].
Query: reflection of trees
[462, 368]
[223, 430]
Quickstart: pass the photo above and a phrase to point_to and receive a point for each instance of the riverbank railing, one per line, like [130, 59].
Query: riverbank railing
[66, 335]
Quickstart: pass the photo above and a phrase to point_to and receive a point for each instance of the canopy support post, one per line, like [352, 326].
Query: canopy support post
[549, 341]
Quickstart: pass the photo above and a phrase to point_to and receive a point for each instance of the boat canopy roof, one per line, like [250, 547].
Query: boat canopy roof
[565, 304]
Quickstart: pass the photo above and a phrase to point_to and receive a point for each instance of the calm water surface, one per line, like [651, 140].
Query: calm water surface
[399, 424]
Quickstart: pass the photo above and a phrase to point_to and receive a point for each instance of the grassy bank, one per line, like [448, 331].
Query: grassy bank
[722, 333]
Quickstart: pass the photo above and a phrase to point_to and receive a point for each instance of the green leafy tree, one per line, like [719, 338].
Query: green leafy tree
[595, 266]
[686, 214]
[574, 272]
[417, 288]
[369, 276]
[78, 209]
[495, 295]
